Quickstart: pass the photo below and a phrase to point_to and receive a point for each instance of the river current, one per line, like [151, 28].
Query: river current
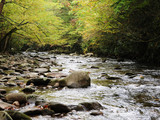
[131, 93]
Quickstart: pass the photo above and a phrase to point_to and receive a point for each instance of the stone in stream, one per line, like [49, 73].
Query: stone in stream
[91, 106]
[20, 97]
[38, 82]
[58, 107]
[28, 90]
[76, 107]
[58, 83]
[96, 113]
[4, 105]
[78, 79]
[32, 74]
[37, 111]
[41, 70]
[55, 75]
[2, 91]
[15, 115]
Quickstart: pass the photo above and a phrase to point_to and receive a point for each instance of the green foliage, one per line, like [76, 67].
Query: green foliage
[120, 28]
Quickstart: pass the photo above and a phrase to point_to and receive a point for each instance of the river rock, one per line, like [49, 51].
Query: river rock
[37, 111]
[32, 75]
[28, 90]
[15, 115]
[4, 105]
[58, 83]
[78, 79]
[88, 54]
[96, 113]
[41, 70]
[91, 106]
[20, 97]
[76, 107]
[55, 75]
[58, 107]
[38, 82]
[2, 91]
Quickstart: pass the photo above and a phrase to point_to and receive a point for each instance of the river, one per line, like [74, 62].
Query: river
[126, 90]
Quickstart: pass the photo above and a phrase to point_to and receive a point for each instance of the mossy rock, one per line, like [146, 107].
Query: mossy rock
[15, 115]
[20, 97]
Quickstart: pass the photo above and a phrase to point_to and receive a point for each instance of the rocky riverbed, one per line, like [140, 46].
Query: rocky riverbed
[45, 86]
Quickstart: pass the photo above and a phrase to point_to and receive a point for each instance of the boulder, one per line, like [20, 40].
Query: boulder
[20, 97]
[58, 107]
[15, 115]
[38, 82]
[91, 106]
[78, 79]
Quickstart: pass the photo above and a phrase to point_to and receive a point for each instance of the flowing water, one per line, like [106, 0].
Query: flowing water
[133, 95]
[132, 92]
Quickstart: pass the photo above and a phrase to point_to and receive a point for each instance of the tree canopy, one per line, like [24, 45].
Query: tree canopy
[117, 28]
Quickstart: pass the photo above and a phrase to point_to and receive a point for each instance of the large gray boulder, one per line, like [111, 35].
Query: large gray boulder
[78, 79]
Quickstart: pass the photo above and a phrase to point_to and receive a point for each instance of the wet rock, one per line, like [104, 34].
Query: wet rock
[4, 105]
[10, 84]
[41, 70]
[92, 106]
[151, 104]
[2, 72]
[120, 59]
[32, 75]
[38, 82]
[130, 74]
[2, 91]
[78, 79]
[19, 70]
[88, 55]
[16, 103]
[55, 75]
[104, 60]
[110, 77]
[28, 90]
[58, 107]
[76, 107]
[20, 97]
[4, 68]
[94, 67]
[58, 83]
[41, 102]
[117, 68]
[31, 98]
[15, 115]
[96, 113]
[37, 111]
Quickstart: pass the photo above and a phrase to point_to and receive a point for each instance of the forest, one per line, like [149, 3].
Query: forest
[112, 28]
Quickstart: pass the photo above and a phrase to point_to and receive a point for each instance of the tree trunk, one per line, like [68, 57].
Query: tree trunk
[1, 5]
[4, 42]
